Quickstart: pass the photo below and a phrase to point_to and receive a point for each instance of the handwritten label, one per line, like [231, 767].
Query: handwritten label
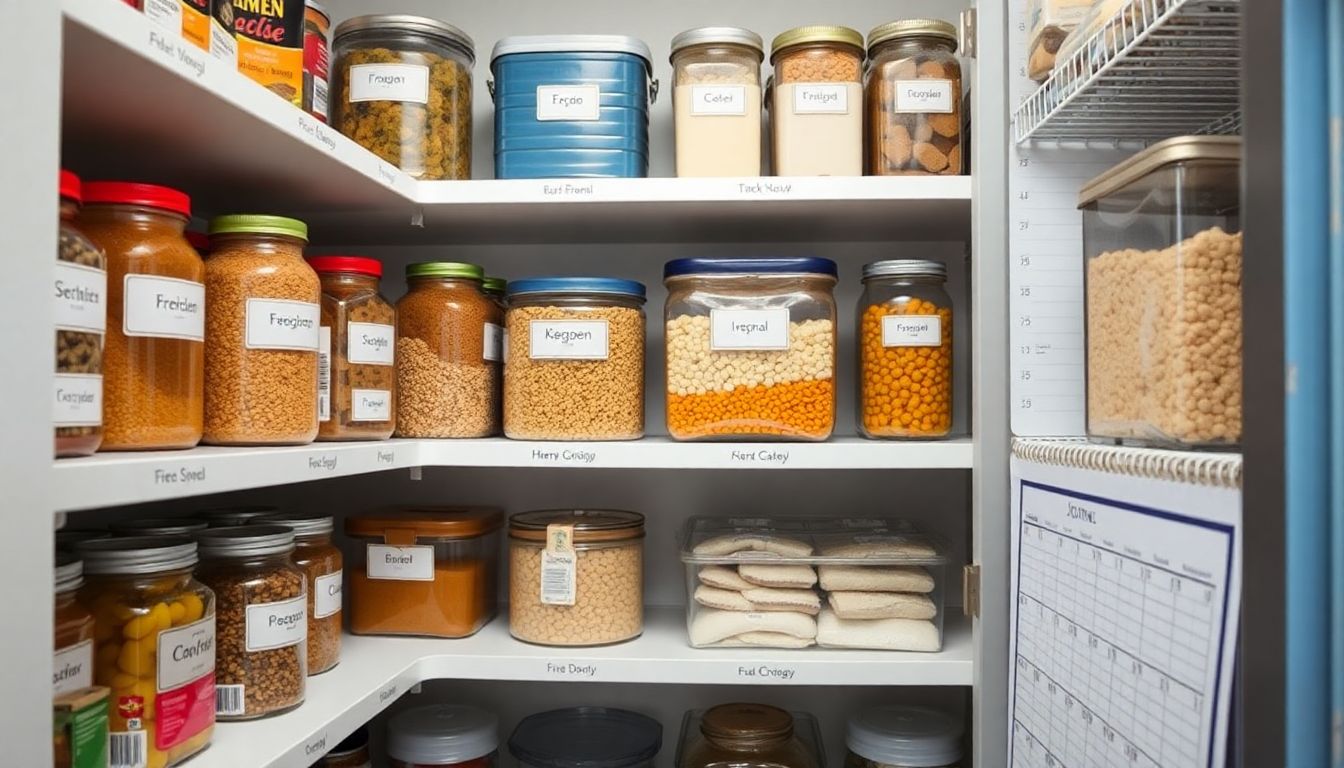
[327, 595]
[322, 462]
[276, 625]
[569, 102]
[370, 405]
[743, 329]
[282, 324]
[317, 746]
[568, 669]
[568, 340]
[389, 82]
[185, 653]
[184, 475]
[929, 96]
[768, 457]
[72, 668]
[567, 190]
[186, 58]
[820, 99]
[767, 672]
[77, 400]
[163, 307]
[564, 456]
[718, 100]
[912, 331]
[370, 343]
[321, 135]
[389, 563]
[81, 298]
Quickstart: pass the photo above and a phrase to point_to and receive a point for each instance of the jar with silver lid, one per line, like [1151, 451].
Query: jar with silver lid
[716, 101]
[903, 737]
[159, 526]
[228, 517]
[322, 563]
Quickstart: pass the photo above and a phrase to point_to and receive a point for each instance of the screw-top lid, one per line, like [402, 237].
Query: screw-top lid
[70, 187]
[400, 22]
[258, 224]
[362, 265]
[590, 525]
[137, 555]
[804, 265]
[610, 286]
[457, 269]
[159, 526]
[246, 541]
[351, 744]
[747, 722]
[919, 737]
[817, 33]
[319, 8]
[302, 523]
[69, 573]
[135, 193]
[67, 538]
[442, 734]
[906, 28]
[586, 737]
[572, 44]
[495, 285]
[226, 517]
[407, 524]
[720, 36]
[905, 268]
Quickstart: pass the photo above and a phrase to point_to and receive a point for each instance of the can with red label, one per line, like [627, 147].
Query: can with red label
[316, 59]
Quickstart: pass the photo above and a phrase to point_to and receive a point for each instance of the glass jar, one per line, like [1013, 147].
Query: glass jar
[748, 736]
[401, 88]
[263, 619]
[913, 99]
[448, 341]
[357, 375]
[574, 369]
[815, 114]
[67, 538]
[905, 350]
[593, 564]
[582, 737]
[716, 101]
[154, 351]
[73, 667]
[322, 564]
[750, 348]
[443, 735]
[228, 517]
[159, 526]
[263, 324]
[903, 737]
[352, 752]
[495, 288]
[144, 598]
[80, 311]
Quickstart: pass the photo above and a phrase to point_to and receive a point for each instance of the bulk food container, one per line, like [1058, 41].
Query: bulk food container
[321, 562]
[443, 735]
[750, 348]
[749, 736]
[569, 106]
[80, 310]
[716, 101]
[356, 375]
[585, 737]
[72, 666]
[913, 99]
[816, 102]
[798, 582]
[903, 737]
[1162, 271]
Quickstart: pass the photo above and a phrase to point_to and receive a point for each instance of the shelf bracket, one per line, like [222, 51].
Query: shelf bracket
[970, 590]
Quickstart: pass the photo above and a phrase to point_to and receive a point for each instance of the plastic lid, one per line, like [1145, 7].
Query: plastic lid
[805, 265]
[428, 522]
[159, 526]
[905, 268]
[400, 22]
[70, 186]
[303, 524]
[573, 44]
[747, 722]
[442, 734]
[918, 737]
[904, 28]
[817, 33]
[258, 224]
[459, 269]
[494, 285]
[1181, 149]
[590, 525]
[586, 737]
[137, 555]
[611, 286]
[135, 193]
[359, 264]
[225, 517]
[246, 541]
[69, 573]
[718, 35]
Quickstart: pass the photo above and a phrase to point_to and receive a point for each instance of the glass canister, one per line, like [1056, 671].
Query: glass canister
[357, 375]
[352, 752]
[159, 526]
[576, 577]
[574, 368]
[816, 114]
[80, 311]
[322, 564]
[154, 630]
[263, 324]
[448, 367]
[903, 737]
[153, 351]
[73, 664]
[716, 101]
[751, 347]
[442, 735]
[905, 350]
[913, 99]
[263, 619]
[584, 737]
[401, 88]
[749, 736]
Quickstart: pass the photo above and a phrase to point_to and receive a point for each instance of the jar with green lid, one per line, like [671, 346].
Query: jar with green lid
[816, 114]
[449, 334]
[749, 736]
[903, 737]
[495, 287]
[913, 99]
[262, 324]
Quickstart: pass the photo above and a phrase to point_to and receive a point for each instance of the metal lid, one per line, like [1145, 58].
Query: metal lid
[427, 522]
[458, 269]
[135, 556]
[313, 5]
[442, 734]
[612, 286]
[69, 573]
[302, 523]
[355, 742]
[258, 224]
[590, 525]
[1219, 149]
[226, 517]
[246, 541]
[67, 538]
[804, 265]
[905, 268]
[747, 722]
[719, 36]
[817, 33]
[905, 28]
[400, 22]
[586, 737]
[919, 737]
[495, 285]
[159, 526]
[573, 44]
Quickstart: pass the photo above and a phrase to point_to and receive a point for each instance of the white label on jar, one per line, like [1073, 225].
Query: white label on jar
[912, 331]
[930, 96]
[389, 563]
[324, 373]
[569, 102]
[77, 400]
[163, 307]
[72, 668]
[739, 329]
[81, 298]
[494, 342]
[820, 99]
[186, 653]
[282, 324]
[165, 12]
[326, 595]
[568, 340]
[370, 405]
[277, 625]
[223, 46]
[389, 82]
[718, 100]
[370, 343]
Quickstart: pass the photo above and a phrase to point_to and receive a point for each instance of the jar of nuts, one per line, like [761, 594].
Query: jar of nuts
[913, 96]
[81, 318]
[262, 618]
[815, 114]
[576, 577]
[357, 377]
[322, 565]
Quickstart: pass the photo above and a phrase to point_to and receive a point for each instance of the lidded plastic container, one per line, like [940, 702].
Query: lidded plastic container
[74, 642]
[905, 350]
[913, 99]
[571, 106]
[357, 374]
[751, 347]
[443, 735]
[228, 517]
[816, 102]
[716, 101]
[1162, 277]
[586, 737]
[749, 736]
[159, 526]
[321, 562]
[903, 737]
[80, 311]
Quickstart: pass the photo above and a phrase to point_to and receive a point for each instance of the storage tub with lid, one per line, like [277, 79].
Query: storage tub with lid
[749, 736]
[1162, 277]
[716, 101]
[903, 737]
[816, 102]
[357, 374]
[586, 737]
[570, 106]
[443, 735]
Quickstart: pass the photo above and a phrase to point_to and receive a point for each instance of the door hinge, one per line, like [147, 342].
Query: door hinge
[967, 43]
[970, 590]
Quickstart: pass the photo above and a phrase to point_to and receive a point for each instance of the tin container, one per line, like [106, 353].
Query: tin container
[316, 59]
[270, 46]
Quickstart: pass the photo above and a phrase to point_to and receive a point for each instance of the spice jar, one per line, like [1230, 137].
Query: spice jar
[913, 99]
[443, 735]
[80, 311]
[429, 571]
[316, 59]
[716, 101]
[574, 369]
[263, 619]
[159, 526]
[448, 367]
[357, 377]
[73, 664]
[402, 87]
[584, 737]
[749, 736]
[228, 517]
[905, 350]
[153, 352]
[144, 598]
[903, 737]
[321, 563]
[352, 752]
[263, 323]
[576, 577]
[816, 113]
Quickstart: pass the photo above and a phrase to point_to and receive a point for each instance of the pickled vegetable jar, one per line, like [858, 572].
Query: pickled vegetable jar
[913, 99]
[81, 319]
[357, 375]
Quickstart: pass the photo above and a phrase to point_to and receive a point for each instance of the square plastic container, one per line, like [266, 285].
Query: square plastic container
[871, 583]
[749, 736]
[1162, 275]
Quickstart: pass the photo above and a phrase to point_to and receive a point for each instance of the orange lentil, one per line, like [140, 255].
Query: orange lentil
[792, 409]
[905, 391]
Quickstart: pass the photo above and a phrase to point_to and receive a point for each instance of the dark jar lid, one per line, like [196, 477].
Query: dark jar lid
[586, 737]
[800, 265]
[755, 723]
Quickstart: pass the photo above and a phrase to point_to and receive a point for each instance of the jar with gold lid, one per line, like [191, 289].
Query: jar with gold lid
[816, 104]
[913, 99]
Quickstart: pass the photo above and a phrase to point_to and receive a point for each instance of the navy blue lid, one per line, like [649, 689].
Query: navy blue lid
[608, 285]
[800, 265]
[586, 737]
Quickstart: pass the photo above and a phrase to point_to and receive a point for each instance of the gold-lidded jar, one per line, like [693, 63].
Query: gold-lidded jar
[912, 98]
[816, 112]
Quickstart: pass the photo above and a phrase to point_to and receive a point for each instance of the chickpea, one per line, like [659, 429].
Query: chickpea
[608, 603]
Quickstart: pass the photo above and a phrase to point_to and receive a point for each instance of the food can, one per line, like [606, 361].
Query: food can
[189, 18]
[223, 46]
[270, 45]
[316, 59]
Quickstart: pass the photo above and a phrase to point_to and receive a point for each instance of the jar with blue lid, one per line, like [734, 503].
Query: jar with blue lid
[571, 106]
[574, 359]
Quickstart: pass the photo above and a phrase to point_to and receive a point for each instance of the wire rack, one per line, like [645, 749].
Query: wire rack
[1158, 68]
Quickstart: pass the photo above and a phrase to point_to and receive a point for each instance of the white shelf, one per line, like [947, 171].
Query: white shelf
[375, 671]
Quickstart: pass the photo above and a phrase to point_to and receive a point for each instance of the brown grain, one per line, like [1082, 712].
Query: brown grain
[78, 351]
[348, 300]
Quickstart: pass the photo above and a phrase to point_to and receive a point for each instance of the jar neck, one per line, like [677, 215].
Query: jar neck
[179, 575]
[906, 280]
[418, 281]
[824, 47]
[138, 216]
[709, 51]
[312, 539]
[66, 599]
[255, 242]
[911, 45]
[276, 560]
[348, 280]
[745, 743]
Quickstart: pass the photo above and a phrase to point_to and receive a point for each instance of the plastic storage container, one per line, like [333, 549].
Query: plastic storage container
[443, 735]
[903, 737]
[1162, 270]
[357, 374]
[574, 367]
[716, 101]
[750, 348]
[913, 99]
[73, 663]
[749, 736]
[159, 526]
[576, 577]
[80, 312]
[429, 571]
[905, 350]
[584, 737]
[795, 582]
[816, 111]
[321, 563]
[570, 106]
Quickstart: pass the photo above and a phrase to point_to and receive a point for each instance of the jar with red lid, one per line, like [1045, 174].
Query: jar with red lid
[356, 374]
[81, 317]
[441, 735]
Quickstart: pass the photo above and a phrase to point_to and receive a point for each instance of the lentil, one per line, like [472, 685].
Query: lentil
[356, 400]
[81, 318]
[913, 99]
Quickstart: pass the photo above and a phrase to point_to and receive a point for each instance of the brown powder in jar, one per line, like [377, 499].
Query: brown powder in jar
[818, 65]
[346, 376]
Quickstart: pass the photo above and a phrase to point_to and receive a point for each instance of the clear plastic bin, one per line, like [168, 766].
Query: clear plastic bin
[749, 736]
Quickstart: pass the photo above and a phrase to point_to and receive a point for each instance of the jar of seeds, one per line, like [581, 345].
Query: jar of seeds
[81, 318]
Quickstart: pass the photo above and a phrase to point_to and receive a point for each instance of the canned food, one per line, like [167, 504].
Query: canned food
[316, 59]
[270, 45]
